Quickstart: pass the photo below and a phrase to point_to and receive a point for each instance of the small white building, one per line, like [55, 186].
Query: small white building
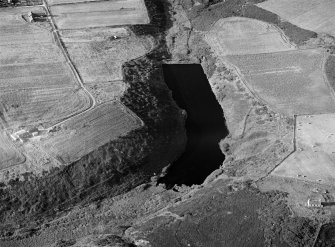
[314, 203]
[30, 16]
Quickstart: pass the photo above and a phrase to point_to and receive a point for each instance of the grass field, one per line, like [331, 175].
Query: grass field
[315, 15]
[84, 133]
[93, 35]
[238, 35]
[29, 54]
[9, 155]
[291, 82]
[101, 61]
[37, 85]
[42, 106]
[54, 2]
[107, 91]
[330, 70]
[99, 14]
[314, 158]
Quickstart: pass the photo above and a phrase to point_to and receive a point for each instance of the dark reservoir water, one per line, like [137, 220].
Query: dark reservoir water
[205, 125]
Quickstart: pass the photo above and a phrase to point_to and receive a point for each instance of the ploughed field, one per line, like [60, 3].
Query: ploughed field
[82, 14]
[48, 117]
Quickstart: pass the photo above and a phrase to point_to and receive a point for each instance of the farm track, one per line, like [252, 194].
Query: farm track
[324, 59]
[69, 61]
[75, 71]
[245, 83]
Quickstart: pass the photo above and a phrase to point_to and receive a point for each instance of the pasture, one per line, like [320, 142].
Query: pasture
[314, 158]
[107, 91]
[37, 85]
[237, 35]
[29, 108]
[93, 35]
[99, 14]
[314, 15]
[9, 155]
[290, 82]
[101, 61]
[84, 133]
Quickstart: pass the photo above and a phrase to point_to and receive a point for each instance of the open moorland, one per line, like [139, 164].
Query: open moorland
[79, 14]
[315, 15]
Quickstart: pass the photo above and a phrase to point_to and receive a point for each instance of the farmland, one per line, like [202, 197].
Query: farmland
[84, 133]
[315, 15]
[38, 88]
[9, 154]
[315, 150]
[291, 82]
[237, 35]
[79, 14]
[32, 94]
[101, 60]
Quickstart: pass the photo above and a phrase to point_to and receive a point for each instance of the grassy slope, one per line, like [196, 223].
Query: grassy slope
[330, 70]
[230, 214]
[202, 18]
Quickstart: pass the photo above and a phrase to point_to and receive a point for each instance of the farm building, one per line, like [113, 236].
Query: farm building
[32, 17]
[314, 203]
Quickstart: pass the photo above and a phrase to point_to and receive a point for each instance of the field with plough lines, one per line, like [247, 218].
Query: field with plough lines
[78, 14]
[37, 85]
[49, 116]
[84, 133]
[291, 82]
[41, 107]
